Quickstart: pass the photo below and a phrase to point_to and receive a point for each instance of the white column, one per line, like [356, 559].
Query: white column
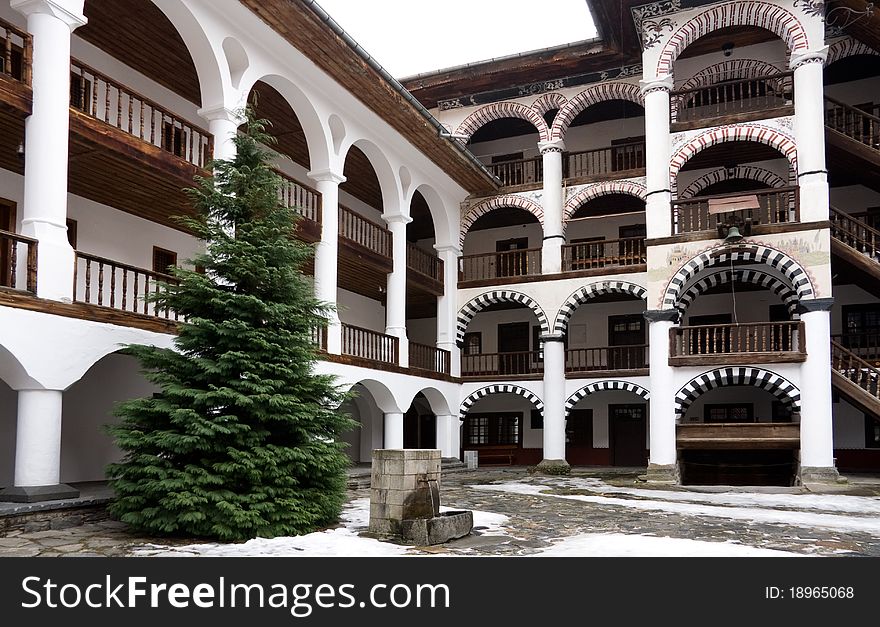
[223, 124]
[658, 148]
[817, 441]
[395, 303]
[554, 405]
[447, 307]
[663, 462]
[448, 436]
[46, 143]
[809, 131]
[554, 231]
[326, 251]
[393, 430]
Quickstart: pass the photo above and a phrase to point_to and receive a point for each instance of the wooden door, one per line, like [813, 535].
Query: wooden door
[627, 434]
[579, 436]
[626, 341]
[512, 263]
[513, 348]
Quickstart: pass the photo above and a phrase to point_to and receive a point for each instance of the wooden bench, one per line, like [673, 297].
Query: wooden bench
[496, 454]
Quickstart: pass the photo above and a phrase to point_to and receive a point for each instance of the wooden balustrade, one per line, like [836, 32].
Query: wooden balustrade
[430, 358]
[12, 273]
[107, 283]
[732, 96]
[775, 206]
[864, 345]
[600, 161]
[17, 53]
[111, 102]
[859, 371]
[424, 263]
[302, 198]
[363, 232]
[862, 126]
[627, 251]
[607, 358]
[518, 171]
[774, 338]
[498, 364]
[371, 345]
[500, 265]
[855, 234]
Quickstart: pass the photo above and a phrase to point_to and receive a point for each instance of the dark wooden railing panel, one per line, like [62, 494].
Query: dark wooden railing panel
[496, 364]
[363, 232]
[519, 171]
[607, 358]
[295, 195]
[857, 370]
[864, 345]
[627, 251]
[421, 261]
[369, 344]
[17, 53]
[18, 262]
[620, 158]
[430, 358]
[855, 234]
[111, 102]
[862, 126]
[776, 206]
[319, 338]
[107, 283]
[730, 339]
[501, 265]
[732, 96]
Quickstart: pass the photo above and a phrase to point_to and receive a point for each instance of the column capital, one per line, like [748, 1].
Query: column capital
[810, 56]
[70, 11]
[661, 83]
[448, 248]
[396, 218]
[662, 315]
[551, 337]
[554, 145]
[326, 174]
[815, 304]
[222, 112]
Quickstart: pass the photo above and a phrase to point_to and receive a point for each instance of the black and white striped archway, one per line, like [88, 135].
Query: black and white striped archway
[799, 280]
[780, 387]
[590, 291]
[477, 304]
[601, 386]
[500, 388]
[751, 277]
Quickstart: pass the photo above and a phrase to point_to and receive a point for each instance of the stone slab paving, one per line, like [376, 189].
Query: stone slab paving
[535, 520]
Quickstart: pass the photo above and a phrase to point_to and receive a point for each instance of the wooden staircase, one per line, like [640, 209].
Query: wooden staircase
[852, 140]
[856, 247]
[855, 379]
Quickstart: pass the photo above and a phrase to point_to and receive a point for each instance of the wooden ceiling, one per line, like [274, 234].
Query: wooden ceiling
[284, 125]
[865, 29]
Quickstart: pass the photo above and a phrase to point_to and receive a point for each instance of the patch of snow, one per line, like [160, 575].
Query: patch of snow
[624, 545]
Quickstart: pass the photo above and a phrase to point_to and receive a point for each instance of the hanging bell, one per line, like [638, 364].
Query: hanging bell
[733, 235]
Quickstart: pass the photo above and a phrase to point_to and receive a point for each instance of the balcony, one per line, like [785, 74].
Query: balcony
[607, 361]
[501, 267]
[736, 436]
[369, 345]
[365, 254]
[605, 257]
[503, 366]
[737, 344]
[429, 358]
[305, 201]
[15, 93]
[18, 263]
[424, 271]
[766, 210]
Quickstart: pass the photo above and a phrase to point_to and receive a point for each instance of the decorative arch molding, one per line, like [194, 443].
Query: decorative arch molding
[752, 277]
[590, 291]
[777, 385]
[799, 280]
[476, 305]
[601, 386]
[548, 102]
[499, 202]
[592, 192]
[769, 16]
[730, 70]
[749, 172]
[594, 94]
[500, 388]
[499, 110]
[847, 47]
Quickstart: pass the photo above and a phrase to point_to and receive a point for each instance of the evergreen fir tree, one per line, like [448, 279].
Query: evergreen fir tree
[243, 438]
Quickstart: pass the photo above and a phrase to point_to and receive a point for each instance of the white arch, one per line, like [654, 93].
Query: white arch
[500, 388]
[443, 235]
[590, 291]
[389, 183]
[593, 94]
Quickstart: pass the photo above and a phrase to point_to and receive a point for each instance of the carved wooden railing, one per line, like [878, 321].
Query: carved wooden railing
[855, 234]
[17, 51]
[619, 158]
[518, 171]
[731, 339]
[501, 265]
[862, 126]
[495, 364]
[107, 283]
[858, 371]
[430, 358]
[422, 262]
[363, 232]
[319, 338]
[111, 102]
[369, 344]
[627, 251]
[607, 358]
[302, 198]
[864, 345]
[776, 206]
[732, 96]
[12, 275]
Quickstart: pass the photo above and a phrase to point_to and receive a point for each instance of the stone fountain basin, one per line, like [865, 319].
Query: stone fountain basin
[441, 528]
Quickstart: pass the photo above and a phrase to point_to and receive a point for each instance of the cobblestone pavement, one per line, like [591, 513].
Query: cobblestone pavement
[536, 520]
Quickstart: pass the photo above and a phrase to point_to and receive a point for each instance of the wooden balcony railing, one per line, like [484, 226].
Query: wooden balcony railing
[859, 371]
[628, 251]
[732, 96]
[363, 232]
[738, 435]
[608, 358]
[111, 102]
[776, 206]
[601, 161]
[107, 283]
[774, 339]
[862, 126]
[424, 263]
[13, 249]
[371, 345]
[855, 234]
[430, 358]
[519, 171]
[294, 195]
[17, 51]
[500, 364]
[501, 265]
[864, 345]
[319, 338]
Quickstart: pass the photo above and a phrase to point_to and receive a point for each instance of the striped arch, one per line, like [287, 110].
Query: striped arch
[799, 280]
[601, 386]
[499, 110]
[730, 70]
[593, 290]
[500, 388]
[476, 305]
[847, 47]
[752, 277]
[602, 189]
[498, 202]
[748, 172]
[777, 385]
[548, 102]
[590, 96]
[757, 13]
